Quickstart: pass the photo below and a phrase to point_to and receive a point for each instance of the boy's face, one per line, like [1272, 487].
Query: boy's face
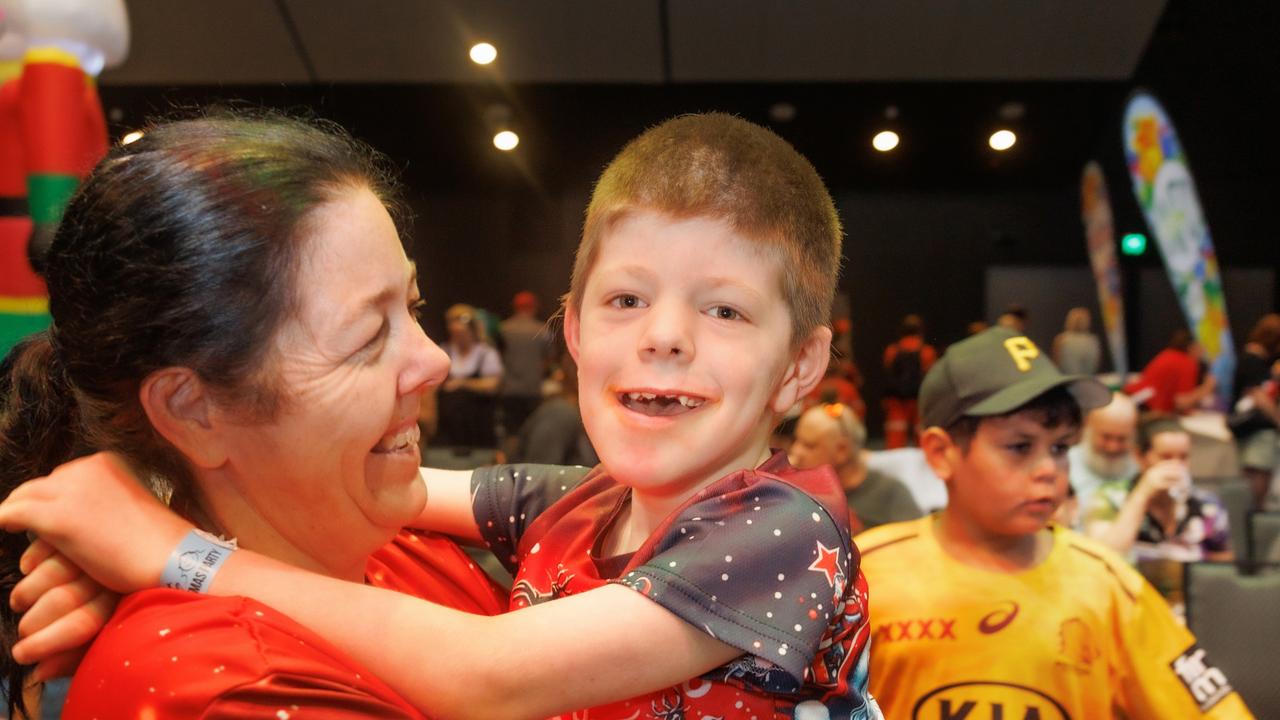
[1012, 478]
[1168, 446]
[683, 344]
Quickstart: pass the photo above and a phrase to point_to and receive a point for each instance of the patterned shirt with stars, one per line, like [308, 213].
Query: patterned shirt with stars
[762, 560]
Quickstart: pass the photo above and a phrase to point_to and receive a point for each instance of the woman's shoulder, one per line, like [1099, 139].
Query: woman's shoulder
[180, 653]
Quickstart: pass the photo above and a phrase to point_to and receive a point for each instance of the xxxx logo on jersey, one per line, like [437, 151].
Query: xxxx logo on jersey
[916, 629]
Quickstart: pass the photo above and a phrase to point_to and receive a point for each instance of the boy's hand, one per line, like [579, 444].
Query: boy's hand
[1161, 477]
[64, 610]
[98, 515]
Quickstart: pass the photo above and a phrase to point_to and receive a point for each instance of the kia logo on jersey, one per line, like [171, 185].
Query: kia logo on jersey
[987, 701]
[998, 619]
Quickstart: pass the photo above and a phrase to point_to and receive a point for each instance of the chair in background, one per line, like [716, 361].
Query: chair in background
[1264, 533]
[1236, 619]
[1235, 495]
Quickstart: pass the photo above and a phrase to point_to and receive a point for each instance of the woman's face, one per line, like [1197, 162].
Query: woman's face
[337, 468]
[459, 326]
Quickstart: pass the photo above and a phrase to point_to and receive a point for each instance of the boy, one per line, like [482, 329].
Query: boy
[696, 315]
[986, 609]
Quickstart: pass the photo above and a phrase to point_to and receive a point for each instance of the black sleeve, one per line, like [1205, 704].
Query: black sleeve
[507, 498]
[762, 569]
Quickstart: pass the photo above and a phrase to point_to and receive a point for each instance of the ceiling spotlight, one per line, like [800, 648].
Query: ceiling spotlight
[782, 112]
[483, 53]
[885, 140]
[1002, 140]
[506, 140]
[134, 136]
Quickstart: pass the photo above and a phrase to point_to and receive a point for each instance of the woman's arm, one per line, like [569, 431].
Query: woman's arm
[579, 651]
[604, 645]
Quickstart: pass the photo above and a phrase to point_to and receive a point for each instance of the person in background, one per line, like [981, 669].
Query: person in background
[1013, 318]
[553, 434]
[1255, 414]
[831, 434]
[466, 401]
[905, 362]
[1106, 452]
[1172, 379]
[1075, 349]
[1158, 518]
[975, 327]
[987, 609]
[526, 347]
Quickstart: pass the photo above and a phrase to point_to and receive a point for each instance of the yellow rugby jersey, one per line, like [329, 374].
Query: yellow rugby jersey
[1080, 636]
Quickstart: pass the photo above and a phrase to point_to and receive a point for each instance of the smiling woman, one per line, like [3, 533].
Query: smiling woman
[235, 316]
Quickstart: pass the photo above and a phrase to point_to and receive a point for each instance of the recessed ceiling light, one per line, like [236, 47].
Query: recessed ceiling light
[506, 140]
[885, 140]
[1002, 140]
[483, 53]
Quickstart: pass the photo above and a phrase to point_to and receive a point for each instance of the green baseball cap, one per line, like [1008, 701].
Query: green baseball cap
[995, 372]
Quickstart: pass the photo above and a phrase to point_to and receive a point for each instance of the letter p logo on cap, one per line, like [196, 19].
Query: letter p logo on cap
[1023, 351]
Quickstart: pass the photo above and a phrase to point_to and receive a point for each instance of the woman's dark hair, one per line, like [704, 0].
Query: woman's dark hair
[180, 249]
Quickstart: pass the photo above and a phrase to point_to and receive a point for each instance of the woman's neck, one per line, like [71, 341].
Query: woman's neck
[226, 513]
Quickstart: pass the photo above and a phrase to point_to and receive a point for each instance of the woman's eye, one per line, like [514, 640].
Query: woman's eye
[724, 312]
[415, 308]
[626, 301]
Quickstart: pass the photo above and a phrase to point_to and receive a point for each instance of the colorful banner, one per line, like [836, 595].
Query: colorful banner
[1100, 239]
[1167, 194]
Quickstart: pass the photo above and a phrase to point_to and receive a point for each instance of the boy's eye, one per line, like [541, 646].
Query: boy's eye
[1021, 448]
[724, 312]
[1059, 449]
[415, 308]
[626, 301]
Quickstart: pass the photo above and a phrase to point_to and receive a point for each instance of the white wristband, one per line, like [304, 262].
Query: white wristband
[195, 561]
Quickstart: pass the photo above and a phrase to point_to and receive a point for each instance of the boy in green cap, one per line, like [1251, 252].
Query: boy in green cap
[986, 607]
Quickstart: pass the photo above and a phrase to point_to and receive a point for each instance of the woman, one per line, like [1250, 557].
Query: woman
[234, 314]
[468, 399]
[1075, 349]
[1255, 416]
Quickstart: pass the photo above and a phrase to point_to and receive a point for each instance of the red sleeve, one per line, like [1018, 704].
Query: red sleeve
[171, 654]
[1186, 376]
[889, 354]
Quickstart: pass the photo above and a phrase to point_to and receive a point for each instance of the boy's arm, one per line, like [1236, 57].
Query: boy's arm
[1121, 531]
[1165, 673]
[448, 508]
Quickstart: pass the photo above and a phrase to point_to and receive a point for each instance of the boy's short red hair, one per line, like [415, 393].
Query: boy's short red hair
[716, 165]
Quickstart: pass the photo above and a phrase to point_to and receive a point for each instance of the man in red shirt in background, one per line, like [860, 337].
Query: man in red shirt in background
[1173, 377]
[905, 362]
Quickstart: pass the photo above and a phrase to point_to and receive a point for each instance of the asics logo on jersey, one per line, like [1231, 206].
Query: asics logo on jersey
[921, 629]
[998, 619]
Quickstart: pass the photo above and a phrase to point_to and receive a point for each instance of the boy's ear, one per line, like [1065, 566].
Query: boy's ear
[571, 329]
[940, 451]
[181, 410]
[805, 371]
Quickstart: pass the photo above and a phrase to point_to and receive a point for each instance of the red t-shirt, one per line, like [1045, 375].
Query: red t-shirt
[1169, 374]
[173, 654]
[761, 560]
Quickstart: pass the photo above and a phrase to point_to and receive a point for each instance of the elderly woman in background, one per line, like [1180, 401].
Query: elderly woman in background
[468, 399]
[234, 315]
[1076, 350]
